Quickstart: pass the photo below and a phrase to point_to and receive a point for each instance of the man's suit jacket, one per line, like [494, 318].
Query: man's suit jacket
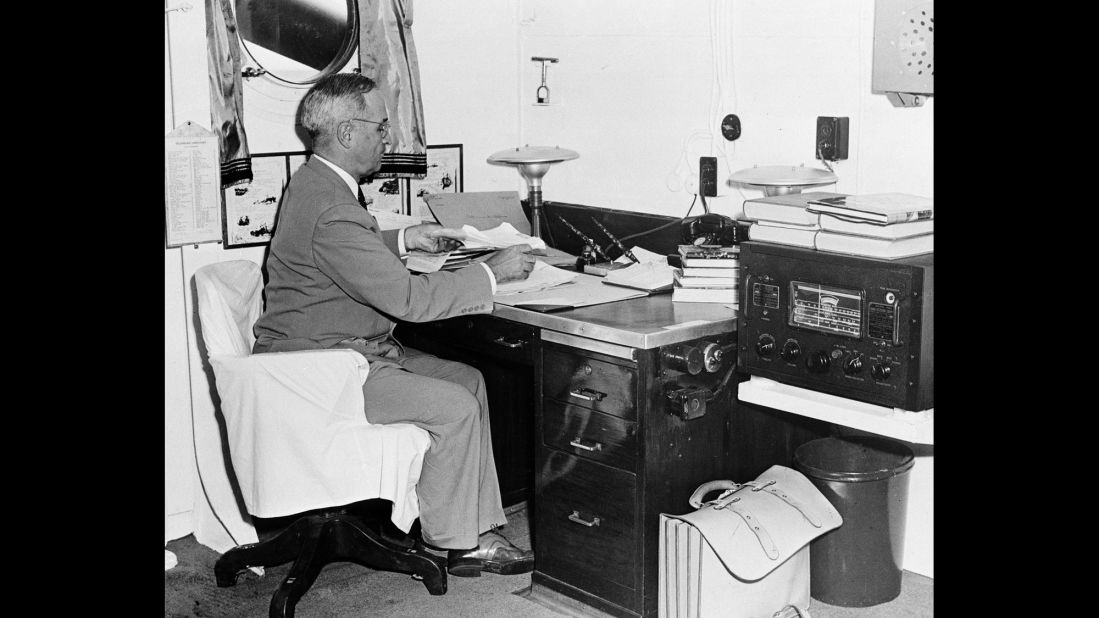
[333, 275]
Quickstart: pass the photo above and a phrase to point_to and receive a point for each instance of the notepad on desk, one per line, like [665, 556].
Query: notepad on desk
[650, 277]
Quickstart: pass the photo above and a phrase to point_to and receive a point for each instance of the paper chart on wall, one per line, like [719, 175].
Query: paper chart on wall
[192, 191]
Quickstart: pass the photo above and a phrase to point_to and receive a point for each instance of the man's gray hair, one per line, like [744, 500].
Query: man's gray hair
[333, 99]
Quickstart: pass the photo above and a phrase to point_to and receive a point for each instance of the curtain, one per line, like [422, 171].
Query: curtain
[387, 55]
[226, 99]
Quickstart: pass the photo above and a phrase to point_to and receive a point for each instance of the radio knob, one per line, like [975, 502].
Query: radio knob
[880, 372]
[790, 352]
[766, 345]
[818, 362]
[853, 365]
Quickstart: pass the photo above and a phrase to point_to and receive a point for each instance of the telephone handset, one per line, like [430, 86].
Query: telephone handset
[710, 229]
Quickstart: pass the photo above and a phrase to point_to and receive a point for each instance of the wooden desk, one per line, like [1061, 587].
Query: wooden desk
[580, 412]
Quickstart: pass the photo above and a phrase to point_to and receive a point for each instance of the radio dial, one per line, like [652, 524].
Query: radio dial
[790, 352]
[818, 362]
[853, 366]
[880, 372]
[766, 345]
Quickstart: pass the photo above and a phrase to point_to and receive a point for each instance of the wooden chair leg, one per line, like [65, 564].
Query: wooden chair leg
[359, 544]
[316, 551]
[277, 550]
[314, 541]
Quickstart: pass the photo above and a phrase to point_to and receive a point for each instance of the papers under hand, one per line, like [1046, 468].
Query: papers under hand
[503, 235]
[424, 262]
[541, 277]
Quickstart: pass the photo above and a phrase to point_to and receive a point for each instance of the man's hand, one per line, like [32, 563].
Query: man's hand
[513, 263]
[433, 238]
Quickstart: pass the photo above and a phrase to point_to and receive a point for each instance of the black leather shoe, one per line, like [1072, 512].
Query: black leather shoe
[494, 554]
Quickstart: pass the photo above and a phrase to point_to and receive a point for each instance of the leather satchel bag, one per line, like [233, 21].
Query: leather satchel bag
[744, 554]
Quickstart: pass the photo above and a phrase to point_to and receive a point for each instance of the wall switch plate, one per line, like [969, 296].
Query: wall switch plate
[707, 176]
[831, 144]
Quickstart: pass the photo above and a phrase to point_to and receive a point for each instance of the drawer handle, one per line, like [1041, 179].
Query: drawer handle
[502, 340]
[583, 522]
[579, 443]
[587, 393]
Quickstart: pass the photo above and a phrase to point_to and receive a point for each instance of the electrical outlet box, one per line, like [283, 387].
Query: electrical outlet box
[707, 176]
[831, 144]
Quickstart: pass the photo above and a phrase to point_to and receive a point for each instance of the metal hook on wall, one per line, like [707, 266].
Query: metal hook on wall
[543, 92]
[252, 72]
[180, 7]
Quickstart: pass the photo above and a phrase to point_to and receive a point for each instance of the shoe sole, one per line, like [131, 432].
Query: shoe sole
[474, 568]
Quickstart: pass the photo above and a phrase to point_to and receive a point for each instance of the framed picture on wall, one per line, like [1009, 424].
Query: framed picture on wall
[444, 175]
[386, 194]
[249, 209]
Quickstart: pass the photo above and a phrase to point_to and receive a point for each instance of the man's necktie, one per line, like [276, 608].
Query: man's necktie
[362, 198]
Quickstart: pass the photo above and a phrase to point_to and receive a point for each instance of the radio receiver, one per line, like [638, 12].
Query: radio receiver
[852, 326]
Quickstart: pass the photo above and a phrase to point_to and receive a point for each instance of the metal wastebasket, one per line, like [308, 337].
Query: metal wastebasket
[866, 479]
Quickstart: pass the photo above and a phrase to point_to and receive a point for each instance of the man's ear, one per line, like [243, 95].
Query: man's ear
[343, 133]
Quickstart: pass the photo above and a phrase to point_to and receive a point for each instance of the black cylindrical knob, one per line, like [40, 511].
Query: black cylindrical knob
[791, 351]
[818, 362]
[853, 365]
[766, 345]
[684, 357]
[880, 372]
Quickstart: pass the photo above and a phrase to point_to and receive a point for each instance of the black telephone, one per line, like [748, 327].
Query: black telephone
[710, 229]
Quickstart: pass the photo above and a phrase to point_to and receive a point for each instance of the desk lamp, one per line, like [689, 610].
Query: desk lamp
[783, 179]
[533, 162]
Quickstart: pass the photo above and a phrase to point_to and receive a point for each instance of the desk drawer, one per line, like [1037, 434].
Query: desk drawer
[588, 382]
[586, 525]
[590, 434]
[499, 338]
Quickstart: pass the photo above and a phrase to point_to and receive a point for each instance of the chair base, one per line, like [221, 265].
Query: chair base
[316, 540]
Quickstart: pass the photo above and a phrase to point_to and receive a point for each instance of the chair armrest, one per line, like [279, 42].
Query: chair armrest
[304, 382]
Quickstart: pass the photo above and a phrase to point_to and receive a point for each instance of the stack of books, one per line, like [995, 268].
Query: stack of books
[785, 219]
[882, 225]
[708, 274]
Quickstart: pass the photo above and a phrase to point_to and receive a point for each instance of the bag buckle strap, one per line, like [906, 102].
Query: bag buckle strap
[781, 495]
[764, 537]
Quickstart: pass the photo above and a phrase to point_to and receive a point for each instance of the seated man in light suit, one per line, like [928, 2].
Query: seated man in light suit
[335, 280]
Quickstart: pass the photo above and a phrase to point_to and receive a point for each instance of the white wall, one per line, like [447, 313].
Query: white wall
[639, 91]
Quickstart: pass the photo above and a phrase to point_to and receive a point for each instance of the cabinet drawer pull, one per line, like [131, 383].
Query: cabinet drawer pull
[583, 522]
[587, 393]
[579, 443]
[502, 340]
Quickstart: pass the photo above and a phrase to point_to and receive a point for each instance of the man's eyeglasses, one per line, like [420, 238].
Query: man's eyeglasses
[383, 126]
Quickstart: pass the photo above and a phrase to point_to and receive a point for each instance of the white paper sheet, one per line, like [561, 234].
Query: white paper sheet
[542, 277]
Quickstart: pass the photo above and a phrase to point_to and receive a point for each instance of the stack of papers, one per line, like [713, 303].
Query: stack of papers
[424, 262]
[477, 244]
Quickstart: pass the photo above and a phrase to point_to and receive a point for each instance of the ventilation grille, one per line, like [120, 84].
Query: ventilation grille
[904, 46]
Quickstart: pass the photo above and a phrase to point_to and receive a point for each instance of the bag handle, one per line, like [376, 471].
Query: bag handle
[707, 487]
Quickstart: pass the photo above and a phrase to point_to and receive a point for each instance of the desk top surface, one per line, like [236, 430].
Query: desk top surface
[646, 322]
